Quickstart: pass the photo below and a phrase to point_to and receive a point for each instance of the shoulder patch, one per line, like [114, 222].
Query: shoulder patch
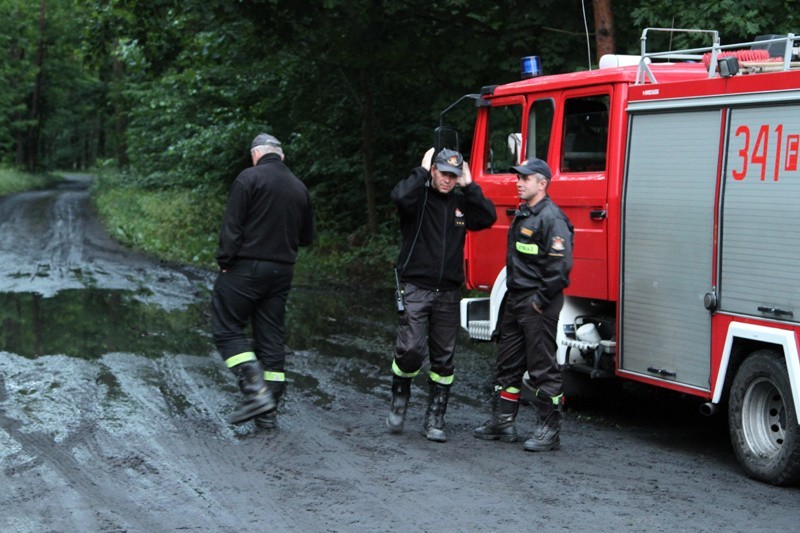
[558, 244]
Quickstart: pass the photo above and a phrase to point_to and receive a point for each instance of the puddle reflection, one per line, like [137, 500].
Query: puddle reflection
[88, 323]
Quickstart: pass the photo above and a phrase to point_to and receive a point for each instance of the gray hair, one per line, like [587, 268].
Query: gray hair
[268, 149]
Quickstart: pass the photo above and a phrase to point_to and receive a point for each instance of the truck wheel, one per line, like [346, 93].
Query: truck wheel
[763, 420]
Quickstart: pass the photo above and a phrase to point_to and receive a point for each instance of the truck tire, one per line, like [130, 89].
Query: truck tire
[763, 420]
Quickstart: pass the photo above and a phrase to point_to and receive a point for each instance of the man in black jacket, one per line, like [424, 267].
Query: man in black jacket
[538, 263]
[434, 219]
[268, 216]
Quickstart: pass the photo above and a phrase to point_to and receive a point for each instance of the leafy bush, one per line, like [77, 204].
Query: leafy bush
[174, 224]
[183, 225]
[337, 259]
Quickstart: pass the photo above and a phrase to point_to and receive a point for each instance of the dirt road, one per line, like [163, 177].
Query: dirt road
[113, 405]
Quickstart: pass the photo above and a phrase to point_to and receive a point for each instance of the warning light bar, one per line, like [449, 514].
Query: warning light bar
[530, 67]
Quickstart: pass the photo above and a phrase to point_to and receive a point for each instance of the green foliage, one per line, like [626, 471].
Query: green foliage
[17, 71]
[335, 260]
[173, 92]
[177, 224]
[49, 104]
[12, 181]
[735, 21]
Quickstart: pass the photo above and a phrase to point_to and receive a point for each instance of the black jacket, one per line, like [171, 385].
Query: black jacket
[269, 214]
[437, 259]
[539, 256]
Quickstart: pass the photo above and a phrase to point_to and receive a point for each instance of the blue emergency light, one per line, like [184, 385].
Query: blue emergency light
[530, 67]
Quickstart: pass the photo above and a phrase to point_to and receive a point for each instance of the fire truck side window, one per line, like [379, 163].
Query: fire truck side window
[540, 125]
[585, 134]
[505, 140]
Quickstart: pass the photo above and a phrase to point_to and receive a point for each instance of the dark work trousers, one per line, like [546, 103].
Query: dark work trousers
[254, 291]
[528, 342]
[428, 327]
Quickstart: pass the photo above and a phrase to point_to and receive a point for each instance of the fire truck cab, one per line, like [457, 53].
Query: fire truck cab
[681, 179]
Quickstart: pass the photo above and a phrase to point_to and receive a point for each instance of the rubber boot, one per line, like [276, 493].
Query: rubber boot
[433, 428]
[257, 398]
[501, 426]
[401, 393]
[546, 436]
[270, 420]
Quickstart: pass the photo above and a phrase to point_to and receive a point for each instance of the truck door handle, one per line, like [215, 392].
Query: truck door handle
[597, 214]
[774, 311]
[661, 372]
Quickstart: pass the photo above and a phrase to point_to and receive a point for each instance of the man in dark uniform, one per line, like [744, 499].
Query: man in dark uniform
[268, 216]
[434, 219]
[538, 263]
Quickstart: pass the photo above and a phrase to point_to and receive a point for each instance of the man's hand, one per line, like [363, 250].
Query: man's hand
[427, 158]
[466, 176]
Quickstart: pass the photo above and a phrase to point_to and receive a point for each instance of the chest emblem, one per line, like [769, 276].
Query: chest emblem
[459, 220]
[527, 232]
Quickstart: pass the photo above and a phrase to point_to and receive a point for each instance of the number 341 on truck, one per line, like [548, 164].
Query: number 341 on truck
[680, 172]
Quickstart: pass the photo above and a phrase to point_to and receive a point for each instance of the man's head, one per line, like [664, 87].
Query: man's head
[446, 169]
[263, 144]
[533, 178]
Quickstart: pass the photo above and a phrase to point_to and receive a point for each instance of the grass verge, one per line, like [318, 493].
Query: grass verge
[14, 181]
[183, 225]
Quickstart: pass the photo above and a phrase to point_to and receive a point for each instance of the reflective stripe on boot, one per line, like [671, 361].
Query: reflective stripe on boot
[501, 426]
[270, 420]
[258, 399]
[401, 392]
[433, 429]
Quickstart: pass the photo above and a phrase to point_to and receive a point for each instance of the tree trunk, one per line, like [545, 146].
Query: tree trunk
[604, 28]
[32, 143]
[368, 148]
[120, 117]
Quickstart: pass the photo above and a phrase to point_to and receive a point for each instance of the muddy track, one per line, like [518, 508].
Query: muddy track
[95, 439]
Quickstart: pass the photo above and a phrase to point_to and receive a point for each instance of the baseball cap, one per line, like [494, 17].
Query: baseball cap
[264, 138]
[533, 166]
[449, 161]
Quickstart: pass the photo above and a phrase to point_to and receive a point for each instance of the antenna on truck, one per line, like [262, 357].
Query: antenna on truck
[586, 29]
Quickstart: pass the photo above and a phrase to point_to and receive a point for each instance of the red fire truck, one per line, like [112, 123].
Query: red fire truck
[681, 174]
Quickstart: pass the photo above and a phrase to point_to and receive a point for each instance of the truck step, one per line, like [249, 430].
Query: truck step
[479, 330]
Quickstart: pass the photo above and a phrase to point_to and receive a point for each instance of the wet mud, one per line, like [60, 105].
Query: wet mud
[113, 403]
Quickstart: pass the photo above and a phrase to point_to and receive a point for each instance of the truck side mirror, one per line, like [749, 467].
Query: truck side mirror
[444, 137]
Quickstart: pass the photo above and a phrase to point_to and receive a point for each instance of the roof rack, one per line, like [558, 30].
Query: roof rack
[644, 73]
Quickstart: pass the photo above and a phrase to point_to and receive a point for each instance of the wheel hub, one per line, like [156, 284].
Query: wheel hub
[764, 418]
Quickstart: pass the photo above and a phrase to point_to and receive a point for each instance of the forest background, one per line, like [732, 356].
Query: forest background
[160, 98]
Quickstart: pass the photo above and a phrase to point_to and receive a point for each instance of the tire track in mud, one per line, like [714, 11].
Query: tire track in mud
[365, 479]
[76, 482]
[229, 479]
[133, 445]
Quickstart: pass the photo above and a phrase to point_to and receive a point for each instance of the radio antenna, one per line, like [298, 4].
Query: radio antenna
[671, 34]
[586, 28]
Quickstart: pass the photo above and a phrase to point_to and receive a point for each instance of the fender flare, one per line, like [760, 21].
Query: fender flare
[496, 298]
[781, 337]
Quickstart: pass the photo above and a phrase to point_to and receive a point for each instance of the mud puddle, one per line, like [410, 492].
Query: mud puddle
[88, 323]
